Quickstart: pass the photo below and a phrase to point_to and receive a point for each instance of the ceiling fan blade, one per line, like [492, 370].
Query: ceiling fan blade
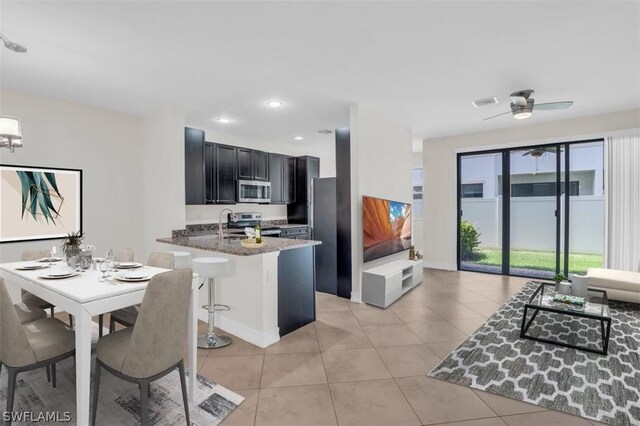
[554, 105]
[494, 116]
[527, 153]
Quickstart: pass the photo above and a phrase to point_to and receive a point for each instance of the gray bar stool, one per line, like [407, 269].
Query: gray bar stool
[212, 268]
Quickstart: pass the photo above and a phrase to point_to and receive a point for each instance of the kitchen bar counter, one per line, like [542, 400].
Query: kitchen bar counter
[233, 246]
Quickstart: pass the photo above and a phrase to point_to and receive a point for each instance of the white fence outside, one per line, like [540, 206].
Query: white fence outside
[533, 222]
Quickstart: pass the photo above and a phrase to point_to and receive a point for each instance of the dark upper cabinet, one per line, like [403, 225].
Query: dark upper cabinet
[276, 168]
[209, 173]
[289, 180]
[260, 165]
[194, 166]
[225, 173]
[253, 164]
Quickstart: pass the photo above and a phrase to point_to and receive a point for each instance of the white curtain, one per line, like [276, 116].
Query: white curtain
[622, 192]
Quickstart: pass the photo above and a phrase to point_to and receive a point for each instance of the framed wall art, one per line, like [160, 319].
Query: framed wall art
[38, 203]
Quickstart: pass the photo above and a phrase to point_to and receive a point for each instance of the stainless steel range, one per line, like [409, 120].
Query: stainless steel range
[238, 221]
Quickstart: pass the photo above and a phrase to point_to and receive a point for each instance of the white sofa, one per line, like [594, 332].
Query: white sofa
[620, 285]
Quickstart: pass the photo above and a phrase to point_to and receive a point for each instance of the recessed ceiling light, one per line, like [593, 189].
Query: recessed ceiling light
[275, 104]
[298, 138]
[223, 120]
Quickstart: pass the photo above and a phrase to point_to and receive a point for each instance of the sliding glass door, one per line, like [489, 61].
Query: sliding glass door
[533, 211]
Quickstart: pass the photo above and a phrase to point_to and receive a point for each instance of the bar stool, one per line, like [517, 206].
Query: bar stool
[212, 268]
[181, 259]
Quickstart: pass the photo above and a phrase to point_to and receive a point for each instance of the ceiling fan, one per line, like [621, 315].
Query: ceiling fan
[538, 152]
[522, 105]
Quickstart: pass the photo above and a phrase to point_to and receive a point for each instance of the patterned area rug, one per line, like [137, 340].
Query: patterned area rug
[118, 401]
[599, 387]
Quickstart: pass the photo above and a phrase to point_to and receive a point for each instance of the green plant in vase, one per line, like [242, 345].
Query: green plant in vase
[558, 278]
[71, 244]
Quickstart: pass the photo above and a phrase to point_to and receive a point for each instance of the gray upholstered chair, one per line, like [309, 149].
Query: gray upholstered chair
[33, 345]
[155, 345]
[127, 316]
[28, 298]
[29, 313]
[123, 255]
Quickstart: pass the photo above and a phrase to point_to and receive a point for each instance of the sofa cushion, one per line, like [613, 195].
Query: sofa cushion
[615, 279]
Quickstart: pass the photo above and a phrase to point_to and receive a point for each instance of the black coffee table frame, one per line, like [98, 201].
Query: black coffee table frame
[605, 330]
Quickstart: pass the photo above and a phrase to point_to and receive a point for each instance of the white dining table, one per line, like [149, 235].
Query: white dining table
[85, 296]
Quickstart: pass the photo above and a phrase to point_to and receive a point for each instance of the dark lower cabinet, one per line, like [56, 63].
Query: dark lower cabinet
[296, 289]
[225, 174]
[194, 166]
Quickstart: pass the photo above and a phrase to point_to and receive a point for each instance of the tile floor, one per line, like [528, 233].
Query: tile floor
[360, 365]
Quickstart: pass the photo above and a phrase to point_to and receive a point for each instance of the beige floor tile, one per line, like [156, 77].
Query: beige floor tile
[406, 301]
[491, 421]
[507, 406]
[390, 335]
[375, 316]
[456, 312]
[234, 372]
[353, 365]
[485, 308]
[340, 319]
[436, 331]
[293, 370]
[498, 296]
[468, 326]
[371, 403]
[238, 347]
[303, 339]
[467, 297]
[443, 349]
[546, 418]
[328, 302]
[416, 313]
[435, 401]
[334, 338]
[295, 406]
[411, 360]
[245, 414]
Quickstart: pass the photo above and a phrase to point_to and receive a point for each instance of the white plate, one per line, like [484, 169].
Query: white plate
[50, 259]
[58, 275]
[133, 279]
[127, 265]
[32, 267]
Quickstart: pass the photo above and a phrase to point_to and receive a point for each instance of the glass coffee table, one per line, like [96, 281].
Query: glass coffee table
[596, 307]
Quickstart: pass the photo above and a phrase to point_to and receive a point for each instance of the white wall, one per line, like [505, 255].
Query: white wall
[381, 158]
[439, 157]
[325, 151]
[106, 145]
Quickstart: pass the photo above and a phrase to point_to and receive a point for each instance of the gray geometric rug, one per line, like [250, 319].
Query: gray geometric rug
[118, 401]
[600, 387]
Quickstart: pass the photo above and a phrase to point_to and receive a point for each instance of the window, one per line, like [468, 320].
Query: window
[472, 190]
[417, 193]
[542, 189]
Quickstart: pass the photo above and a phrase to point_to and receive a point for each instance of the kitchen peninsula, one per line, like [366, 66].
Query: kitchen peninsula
[271, 291]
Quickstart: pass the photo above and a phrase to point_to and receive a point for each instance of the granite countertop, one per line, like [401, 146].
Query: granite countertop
[232, 246]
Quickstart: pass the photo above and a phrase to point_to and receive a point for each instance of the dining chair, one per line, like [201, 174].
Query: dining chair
[28, 298]
[123, 255]
[127, 316]
[155, 345]
[41, 343]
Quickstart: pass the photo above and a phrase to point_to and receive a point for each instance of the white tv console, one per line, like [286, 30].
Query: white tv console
[383, 285]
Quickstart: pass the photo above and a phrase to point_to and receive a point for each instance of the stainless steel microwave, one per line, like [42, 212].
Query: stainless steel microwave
[251, 191]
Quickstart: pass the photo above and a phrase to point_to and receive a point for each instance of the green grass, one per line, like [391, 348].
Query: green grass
[540, 260]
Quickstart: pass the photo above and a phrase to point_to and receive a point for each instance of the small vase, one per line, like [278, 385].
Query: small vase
[579, 285]
[564, 287]
[72, 251]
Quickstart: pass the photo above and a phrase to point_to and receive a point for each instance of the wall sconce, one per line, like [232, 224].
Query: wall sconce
[10, 134]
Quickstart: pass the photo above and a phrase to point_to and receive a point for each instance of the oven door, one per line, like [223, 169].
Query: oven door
[254, 192]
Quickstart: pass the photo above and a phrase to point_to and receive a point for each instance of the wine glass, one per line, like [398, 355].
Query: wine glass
[104, 268]
[54, 251]
[110, 257]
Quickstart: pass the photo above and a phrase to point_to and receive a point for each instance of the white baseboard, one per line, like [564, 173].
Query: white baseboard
[356, 297]
[440, 265]
[248, 334]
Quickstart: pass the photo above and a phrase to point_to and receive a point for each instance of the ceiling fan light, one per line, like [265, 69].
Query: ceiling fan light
[10, 133]
[522, 115]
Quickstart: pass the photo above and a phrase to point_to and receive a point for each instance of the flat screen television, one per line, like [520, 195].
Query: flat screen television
[386, 227]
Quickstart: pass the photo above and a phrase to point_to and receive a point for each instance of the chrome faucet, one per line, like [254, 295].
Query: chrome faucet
[220, 233]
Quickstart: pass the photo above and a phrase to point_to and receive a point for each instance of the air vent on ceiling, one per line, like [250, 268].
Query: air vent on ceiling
[484, 102]
[325, 132]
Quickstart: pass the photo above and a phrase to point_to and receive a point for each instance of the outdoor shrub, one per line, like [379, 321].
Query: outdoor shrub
[469, 241]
